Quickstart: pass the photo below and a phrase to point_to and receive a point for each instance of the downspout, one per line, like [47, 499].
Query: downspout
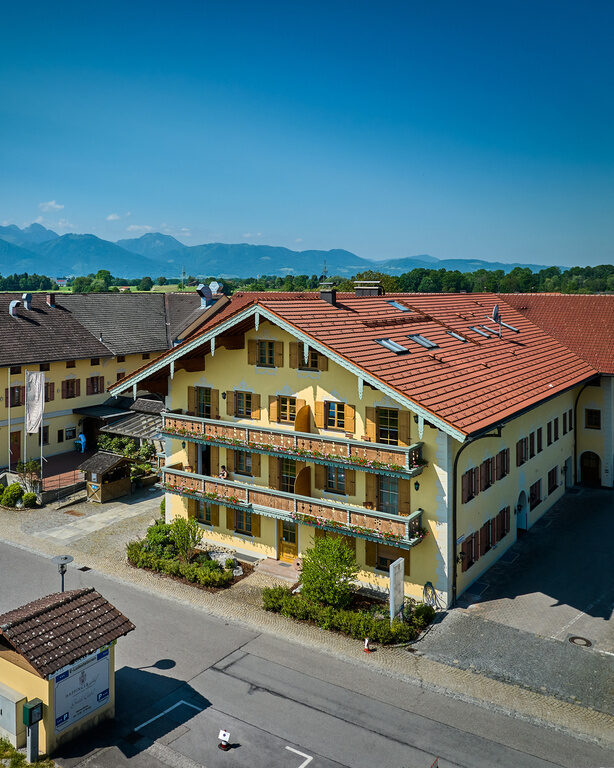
[575, 433]
[454, 502]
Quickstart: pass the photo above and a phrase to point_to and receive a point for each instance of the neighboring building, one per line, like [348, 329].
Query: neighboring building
[379, 418]
[59, 649]
[585, 324]
[83, 343]
[61, 282]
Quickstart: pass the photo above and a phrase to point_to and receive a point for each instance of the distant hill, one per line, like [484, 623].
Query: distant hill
[152, 245]
[36, 249]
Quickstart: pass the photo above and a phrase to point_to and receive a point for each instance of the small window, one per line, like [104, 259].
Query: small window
[17, 396]
[45, 436]
[71, 433]
[335, 480]
[385, 556]
[553, 481]
[288, 475]
[243, 522]
[95, 361]
[570, 419]
[535, 494]
[423, 341]
[549, 433]
[121, 358]
[70, 388]
[388, 426]
[70, 363]
[565, 423]
[203, 512]
[15, 370]
[120, 375]
[392, 346]
[60, 435]
[388, 494]
[539, 439]
[145, 356]
[266, 354]
[398, 305]
[243, 404]
[592, 418]
[556, 428]
[312, 359]
[203, 402]
[480, 331]
[243, 462]
[532, 445]
[287, 409]
[44, 367]
[335, 415]
[456, 336]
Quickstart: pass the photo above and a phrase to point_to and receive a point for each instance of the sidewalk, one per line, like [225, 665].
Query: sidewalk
[103, 548]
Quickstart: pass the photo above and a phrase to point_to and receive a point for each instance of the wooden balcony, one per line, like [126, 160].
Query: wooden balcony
[390, 460]
[365, 523]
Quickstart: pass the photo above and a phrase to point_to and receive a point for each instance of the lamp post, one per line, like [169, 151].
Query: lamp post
[62, 562]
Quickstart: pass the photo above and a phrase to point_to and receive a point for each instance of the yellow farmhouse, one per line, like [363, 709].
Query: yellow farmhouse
[428, 427]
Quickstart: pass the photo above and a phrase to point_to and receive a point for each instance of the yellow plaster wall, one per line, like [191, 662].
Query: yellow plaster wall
[591, 439]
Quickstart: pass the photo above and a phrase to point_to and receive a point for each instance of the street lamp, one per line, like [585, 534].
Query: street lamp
[62, 563]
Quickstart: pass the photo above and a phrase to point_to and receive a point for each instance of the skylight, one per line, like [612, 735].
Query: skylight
[422, 340]
[392, 346]
[456, 335]
[398, 305]
[480, 331]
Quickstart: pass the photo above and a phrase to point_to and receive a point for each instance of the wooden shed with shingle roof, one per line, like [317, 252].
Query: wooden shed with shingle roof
[60, 649]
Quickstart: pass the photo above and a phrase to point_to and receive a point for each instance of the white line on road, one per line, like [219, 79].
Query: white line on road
[166, 711]
[302, 754]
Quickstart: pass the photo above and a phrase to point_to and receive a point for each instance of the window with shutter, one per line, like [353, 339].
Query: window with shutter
[556, 428]
[532, 445]
[279, 354]
[370, 424]
[539, 440]
[255, 406]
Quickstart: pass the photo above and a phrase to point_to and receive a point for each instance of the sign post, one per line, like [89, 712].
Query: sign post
[397, 590]
[32, 715]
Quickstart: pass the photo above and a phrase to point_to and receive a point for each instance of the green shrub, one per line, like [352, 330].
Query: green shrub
[163, 506]
[11, 495]
[158, 540]
[133, 551]
[423, 614]
[230, 563]
[328, 572]
[29, 500]
[186, 535]
[274, 597]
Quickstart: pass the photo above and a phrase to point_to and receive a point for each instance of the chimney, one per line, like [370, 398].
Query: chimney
[206, 295]
[368, 288]
[27, 300]
[328, 294]
[51, 300]
[13, 308]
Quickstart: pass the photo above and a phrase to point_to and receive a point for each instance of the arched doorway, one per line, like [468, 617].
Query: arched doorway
[590, 469]
[522, 509]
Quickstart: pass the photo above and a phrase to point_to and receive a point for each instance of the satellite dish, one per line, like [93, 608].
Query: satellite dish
[215, 286]
[495, 314]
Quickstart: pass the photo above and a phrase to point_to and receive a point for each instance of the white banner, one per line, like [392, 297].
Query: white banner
[35, 400]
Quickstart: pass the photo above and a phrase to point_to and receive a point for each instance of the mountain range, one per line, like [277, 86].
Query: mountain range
[36, 249]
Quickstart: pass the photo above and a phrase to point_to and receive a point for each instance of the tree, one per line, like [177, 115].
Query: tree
[328, 573]
[81, 285]
[186, 535]
[104, 276]
[28, 473]
[161, 280]
[146, 284]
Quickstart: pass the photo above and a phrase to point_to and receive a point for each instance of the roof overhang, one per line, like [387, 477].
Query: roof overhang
[258, 312]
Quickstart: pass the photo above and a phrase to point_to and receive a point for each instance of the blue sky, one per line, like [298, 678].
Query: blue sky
[458, 130]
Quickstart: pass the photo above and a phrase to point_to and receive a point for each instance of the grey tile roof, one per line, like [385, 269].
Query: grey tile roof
[101, 462]
[178, 307]
[145, 426]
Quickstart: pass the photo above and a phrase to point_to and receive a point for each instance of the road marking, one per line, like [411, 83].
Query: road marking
[166, 711]
[302, 754]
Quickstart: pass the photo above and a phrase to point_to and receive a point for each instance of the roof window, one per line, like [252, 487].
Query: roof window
[392, 346]
[398, 305]
[480, 331]
[456, 335]
[422, 340]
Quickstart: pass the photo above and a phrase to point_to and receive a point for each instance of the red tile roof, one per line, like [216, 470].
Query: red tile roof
[470, 385]
[59, 629]
[584, 323]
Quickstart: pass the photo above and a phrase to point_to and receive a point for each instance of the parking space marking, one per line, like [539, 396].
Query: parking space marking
[302, 754]
[166, 711]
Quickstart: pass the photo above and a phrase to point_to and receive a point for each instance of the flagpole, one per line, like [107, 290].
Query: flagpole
[42, 417]
[9, 406]
[25, 413]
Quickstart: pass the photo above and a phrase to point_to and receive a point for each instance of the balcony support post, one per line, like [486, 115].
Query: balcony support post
[172, 369]
[360, 387]
[212, 346]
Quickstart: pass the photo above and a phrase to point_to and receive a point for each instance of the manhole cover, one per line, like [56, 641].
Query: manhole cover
[583, 641]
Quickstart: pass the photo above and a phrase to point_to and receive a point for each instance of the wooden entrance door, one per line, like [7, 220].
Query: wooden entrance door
[590, 469]
[288, 544]
[15, 448]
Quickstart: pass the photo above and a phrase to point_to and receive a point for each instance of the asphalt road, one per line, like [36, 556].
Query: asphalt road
[184, 674]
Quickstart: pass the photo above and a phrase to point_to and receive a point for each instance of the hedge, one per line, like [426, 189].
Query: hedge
[198, 572]
[356, 624]
[11, 495]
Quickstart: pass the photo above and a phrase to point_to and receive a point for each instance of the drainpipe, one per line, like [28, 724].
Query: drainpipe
[575, 434]
[455, 504]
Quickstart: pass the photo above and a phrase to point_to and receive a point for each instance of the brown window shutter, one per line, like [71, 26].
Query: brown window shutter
[230, 519]
[320, 414]
[215, 403]
[255, 526]
[252, 352]
[256, 464]
[77, 387]
[493, 473]
[230, 460]
[350, 418]
[499, 465]
[191, 507]
[350, 482]
[498, 524]
[370, 553]
[191, 401]
[88, 386]
[255, 406]
[518, 453]
[230, 403]
[273, 408]
[507, 520]
[507, 461]
[476, 546]
[64, 390]
[273, 472]
[215, 514]
[371, 489]
[192, 456]
[293, 354]
[214, 460]
[279, 354]
[492, 528]
[476, 481]
[404, 427]
[7, 400]
[465, 488]
[371, 424]
[300, 404]
[322, 363]
[320, 477]
[51, 391]
[484, 539]
[404, 500]
[466, 554]
[483, 476]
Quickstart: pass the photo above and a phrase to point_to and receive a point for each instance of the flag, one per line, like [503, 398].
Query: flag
[35, 400]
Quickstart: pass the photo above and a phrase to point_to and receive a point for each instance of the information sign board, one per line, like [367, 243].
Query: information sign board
[397, 587]
[81, 688]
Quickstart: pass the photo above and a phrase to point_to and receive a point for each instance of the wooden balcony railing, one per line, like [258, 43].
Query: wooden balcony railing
[335, 451]
[357, 521]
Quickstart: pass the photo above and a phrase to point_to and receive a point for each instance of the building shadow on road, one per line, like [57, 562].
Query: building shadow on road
[149, 707]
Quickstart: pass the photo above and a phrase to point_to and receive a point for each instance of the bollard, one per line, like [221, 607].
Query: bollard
[366, 648]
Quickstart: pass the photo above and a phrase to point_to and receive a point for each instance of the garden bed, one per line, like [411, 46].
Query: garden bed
[13, 758]
[248, 569]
